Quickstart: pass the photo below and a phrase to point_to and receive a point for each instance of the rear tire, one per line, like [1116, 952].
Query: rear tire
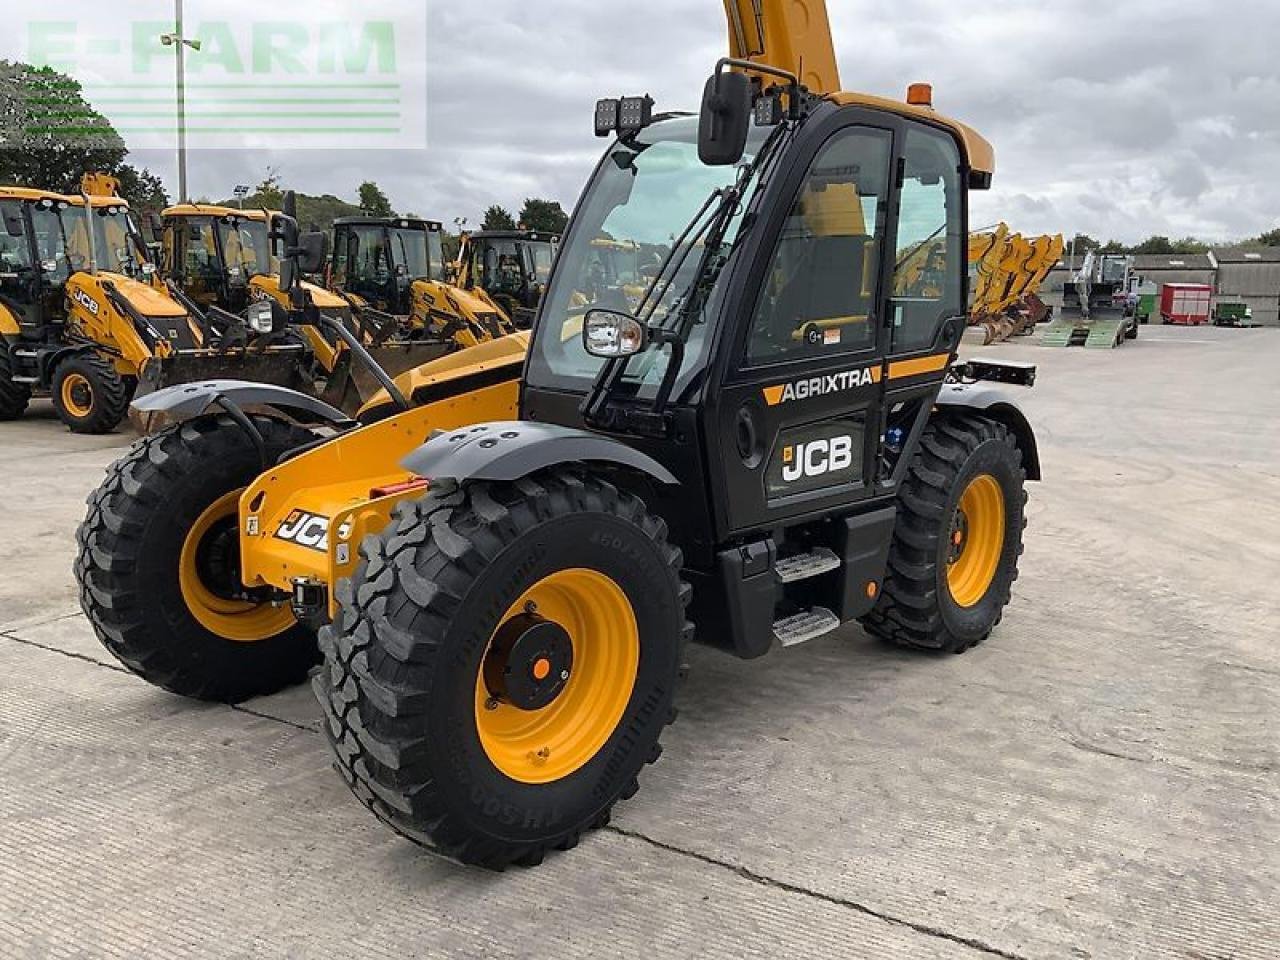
[410, 713]
[14, 397]
[138, 558]
[89, 395]
[929, 601]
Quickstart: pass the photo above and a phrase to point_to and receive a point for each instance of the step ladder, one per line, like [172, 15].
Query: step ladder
[818, 621]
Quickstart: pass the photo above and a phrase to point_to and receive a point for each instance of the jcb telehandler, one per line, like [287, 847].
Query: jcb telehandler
[511, 266]
[84, 318]
[506, 555]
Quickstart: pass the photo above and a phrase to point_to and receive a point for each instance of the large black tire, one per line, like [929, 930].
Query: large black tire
[399, 685]
[14, 397]
[88, 394]
[130, 551]
[916, 607]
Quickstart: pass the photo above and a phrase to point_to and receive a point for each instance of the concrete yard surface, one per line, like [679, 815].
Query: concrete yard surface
[1101, 779]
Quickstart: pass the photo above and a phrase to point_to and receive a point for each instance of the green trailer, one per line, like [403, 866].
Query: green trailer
[1233, 313]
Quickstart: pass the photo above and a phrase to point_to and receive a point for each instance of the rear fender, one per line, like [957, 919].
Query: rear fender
[996, 403]
[509, 450]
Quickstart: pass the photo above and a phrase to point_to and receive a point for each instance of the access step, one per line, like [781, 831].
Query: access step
[803, 627]
[804, 566]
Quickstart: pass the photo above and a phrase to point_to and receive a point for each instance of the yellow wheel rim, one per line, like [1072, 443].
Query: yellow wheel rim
[238, 620]
[976, 541]
[539, 746]
[77, 395]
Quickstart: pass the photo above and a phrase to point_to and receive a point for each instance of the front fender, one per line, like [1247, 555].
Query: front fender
[509, 450]
[187, 400]
[996, 403]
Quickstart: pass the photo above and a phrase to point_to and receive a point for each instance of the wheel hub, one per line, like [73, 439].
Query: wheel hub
[529, 662]
[958, 539]
[218, 560]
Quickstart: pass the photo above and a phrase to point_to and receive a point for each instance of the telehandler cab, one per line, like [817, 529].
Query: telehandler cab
[506, 556]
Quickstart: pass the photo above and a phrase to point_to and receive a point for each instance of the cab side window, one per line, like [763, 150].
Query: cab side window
[927, 278]
[820, 289]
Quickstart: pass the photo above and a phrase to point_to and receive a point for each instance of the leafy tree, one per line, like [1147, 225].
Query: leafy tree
[49, 134]
[545, 216]
[496, 218]
[1270, 239]
[269, 194]
[1113, 246]
[142, 188]
[373, 201]
[1155, 245]
[1083, 243]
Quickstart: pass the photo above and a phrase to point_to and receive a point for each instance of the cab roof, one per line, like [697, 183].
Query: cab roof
[433, 225]
[214, 210]
[979, 153]
[28, 193]
[535, 236]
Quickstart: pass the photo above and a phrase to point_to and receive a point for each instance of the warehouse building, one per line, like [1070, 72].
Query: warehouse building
[1250, 275]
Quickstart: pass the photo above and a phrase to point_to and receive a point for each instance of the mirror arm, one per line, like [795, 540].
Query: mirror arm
[794, 87]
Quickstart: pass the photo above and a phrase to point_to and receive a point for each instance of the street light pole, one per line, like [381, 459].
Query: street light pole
[182, 105]
[178, 39]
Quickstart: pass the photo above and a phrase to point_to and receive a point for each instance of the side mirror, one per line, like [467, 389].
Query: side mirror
[313, 251]
[612, 334]
[725, 119]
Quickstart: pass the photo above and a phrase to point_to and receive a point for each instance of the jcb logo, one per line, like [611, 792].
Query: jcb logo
[816, 458]
[87, 302]
[306, 530]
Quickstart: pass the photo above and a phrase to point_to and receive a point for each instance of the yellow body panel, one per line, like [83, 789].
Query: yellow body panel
[212, 210]
[27, 193]
[8, 322]
[335, 481]
[92, 316]
[505, 351]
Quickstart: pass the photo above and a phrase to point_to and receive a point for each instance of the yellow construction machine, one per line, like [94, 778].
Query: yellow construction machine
[505, 554]
[1006, 271]
[510, 266]
[85, 319]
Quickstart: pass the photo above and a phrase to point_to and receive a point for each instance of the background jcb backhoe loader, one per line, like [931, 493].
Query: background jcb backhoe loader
[85, 319]
[503, 568]
[511, 266]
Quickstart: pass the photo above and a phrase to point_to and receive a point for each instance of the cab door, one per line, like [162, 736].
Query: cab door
[19, 280]
[796, 423]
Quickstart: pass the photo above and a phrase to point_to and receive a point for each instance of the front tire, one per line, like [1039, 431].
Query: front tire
[89, 396]
[503, 664]
[14, 397]
[954, 555]
[158, 566]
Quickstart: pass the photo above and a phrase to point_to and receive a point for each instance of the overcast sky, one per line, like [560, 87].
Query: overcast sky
[1119, 119]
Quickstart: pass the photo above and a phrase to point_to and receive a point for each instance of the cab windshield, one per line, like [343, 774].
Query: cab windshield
[499, 268]
[413, 249]
[639, 204]
[116, 243]
[246, 245]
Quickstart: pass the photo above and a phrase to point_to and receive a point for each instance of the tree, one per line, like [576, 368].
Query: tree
[268, 195]
[1270, 239]
[142, 188]
[496, 218]
[1082, 243]
[1113, 246]
[1155, 245]
[49, 134]
[545, 216]
[373, 201]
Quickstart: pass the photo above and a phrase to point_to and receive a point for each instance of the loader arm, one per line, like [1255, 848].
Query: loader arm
[793, 35]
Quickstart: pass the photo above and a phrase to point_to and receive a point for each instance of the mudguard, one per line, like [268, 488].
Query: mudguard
[509, 450]
[995, 402]
[187, 400]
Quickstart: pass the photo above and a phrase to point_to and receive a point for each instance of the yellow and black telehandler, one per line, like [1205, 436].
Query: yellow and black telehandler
[510, 266]
[503, 556]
